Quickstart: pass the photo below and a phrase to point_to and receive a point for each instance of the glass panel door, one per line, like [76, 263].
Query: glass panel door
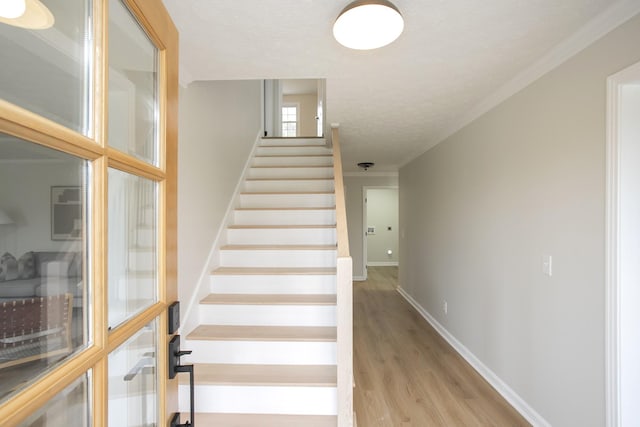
[133, 368]
[133, 254]
[88, 144]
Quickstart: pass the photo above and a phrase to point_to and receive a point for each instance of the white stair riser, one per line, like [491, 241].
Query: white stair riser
[278, 258]
[292, 150]
[281, 236]
[268, 315]
[146, 237]
[287, 200]
[273, 284]
[261, 399]
[142, 260]
[293, 161]
[262, 352]
[289, 185]
[301, 172]
[293, 141]
[285, 217]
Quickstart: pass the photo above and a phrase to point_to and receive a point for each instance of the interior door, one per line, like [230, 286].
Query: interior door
[88, 147]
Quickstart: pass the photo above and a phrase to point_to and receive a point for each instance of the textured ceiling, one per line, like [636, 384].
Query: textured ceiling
[392, 103]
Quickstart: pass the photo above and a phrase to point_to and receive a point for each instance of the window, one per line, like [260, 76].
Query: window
[290, 120]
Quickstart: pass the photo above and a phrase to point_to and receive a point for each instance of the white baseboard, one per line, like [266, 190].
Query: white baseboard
[359, 278]
[501, 387]
[382, 263]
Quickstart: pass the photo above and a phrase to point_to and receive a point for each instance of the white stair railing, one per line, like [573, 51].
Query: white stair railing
[344, 295]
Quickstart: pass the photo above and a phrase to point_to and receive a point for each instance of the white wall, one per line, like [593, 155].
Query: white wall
[353, 200]
[218, 124]
[382, 213]
[478, 212]
[25, 195]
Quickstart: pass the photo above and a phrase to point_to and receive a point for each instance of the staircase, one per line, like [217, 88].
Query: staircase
[265, 348]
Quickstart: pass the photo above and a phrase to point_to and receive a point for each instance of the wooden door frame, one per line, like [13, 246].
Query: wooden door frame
[21, 123]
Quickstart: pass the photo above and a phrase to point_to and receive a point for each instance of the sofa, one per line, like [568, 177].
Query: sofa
[41, 274]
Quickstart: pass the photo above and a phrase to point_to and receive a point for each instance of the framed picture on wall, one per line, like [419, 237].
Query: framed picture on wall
[66, 213]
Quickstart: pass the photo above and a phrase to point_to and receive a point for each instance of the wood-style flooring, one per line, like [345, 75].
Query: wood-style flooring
[406, 374]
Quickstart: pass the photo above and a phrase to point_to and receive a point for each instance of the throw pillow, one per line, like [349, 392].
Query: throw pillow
[8, 267]
[27, 266]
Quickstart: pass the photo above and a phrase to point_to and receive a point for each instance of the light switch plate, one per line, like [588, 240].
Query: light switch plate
[547, 265]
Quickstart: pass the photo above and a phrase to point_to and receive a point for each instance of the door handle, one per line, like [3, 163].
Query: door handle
[144, 364]
[175, 367]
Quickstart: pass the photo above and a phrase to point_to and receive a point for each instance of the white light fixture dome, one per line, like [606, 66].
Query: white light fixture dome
[35, 16]
[12, 9]
[368, 24]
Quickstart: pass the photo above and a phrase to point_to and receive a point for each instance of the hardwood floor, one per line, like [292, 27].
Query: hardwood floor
[406, 374]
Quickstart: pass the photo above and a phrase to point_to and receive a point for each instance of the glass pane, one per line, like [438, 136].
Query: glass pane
[133, 83]
[133, 380]
[70, 407]
[133, 254]
[48, 71]
[43, 248]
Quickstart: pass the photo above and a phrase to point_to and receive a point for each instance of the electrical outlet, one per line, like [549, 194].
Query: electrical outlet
[445, 307]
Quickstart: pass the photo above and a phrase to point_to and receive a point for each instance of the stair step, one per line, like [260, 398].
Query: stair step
[270, 299]
[292, 149]
[285, 199]
[275, 256]
[263, 333]
[289, 185]
[261, 399]
[274, 282]
[281, 234]
[268, 310]
[280, 161]
[262, 352]
[302, 171]
[264, 375]
[307, 141]
[285, 216]
[264, 420]
[279, 226]
[279, 247]
[260, 156]
[274, 271]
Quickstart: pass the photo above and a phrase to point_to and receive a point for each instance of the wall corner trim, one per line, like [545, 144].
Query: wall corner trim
[501, 387]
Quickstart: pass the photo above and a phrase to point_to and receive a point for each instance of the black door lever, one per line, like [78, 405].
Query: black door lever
[176, 367]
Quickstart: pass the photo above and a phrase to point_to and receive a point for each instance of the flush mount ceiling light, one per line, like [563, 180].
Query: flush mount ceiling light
[12, 9]
[365, 165]
[34, 16]
[368, 24]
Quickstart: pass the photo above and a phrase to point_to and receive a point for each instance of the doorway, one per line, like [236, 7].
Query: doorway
[623, 247]
[380, 222]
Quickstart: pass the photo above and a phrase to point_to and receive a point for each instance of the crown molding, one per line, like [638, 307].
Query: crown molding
[598, 27]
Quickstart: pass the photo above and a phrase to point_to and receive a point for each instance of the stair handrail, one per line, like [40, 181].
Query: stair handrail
[344, 280]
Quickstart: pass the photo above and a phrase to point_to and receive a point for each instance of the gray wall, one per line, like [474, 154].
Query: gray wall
[219, 122]
[353, 200]
[478, 212]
